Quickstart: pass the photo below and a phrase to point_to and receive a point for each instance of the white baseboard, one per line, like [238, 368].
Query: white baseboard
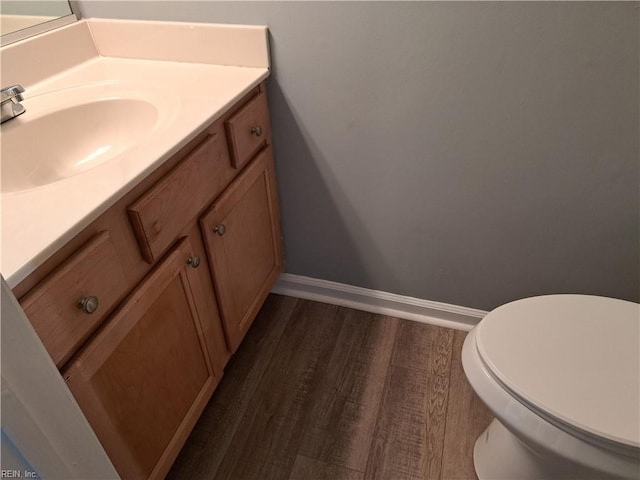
[375, 301]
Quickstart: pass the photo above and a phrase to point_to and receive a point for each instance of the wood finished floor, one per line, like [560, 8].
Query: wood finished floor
[323, 392]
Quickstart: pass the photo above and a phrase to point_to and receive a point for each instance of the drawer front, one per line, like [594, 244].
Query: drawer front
[161, 213]
[68, 305]
[248, 130]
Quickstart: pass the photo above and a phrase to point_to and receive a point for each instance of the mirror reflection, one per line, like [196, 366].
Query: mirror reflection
[19, 15]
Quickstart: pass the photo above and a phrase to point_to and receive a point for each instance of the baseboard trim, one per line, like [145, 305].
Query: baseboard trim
[375, 301]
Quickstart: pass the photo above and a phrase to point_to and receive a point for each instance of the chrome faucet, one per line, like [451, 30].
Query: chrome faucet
[11, 98]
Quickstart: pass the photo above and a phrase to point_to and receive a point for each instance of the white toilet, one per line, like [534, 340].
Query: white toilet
[561, 373]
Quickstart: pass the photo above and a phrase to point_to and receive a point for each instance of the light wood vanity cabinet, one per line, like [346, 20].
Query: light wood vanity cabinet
[171, 277]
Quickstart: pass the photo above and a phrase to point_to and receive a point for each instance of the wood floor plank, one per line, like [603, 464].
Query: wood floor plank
[343, 415]
[266, 441]
[306, 468]
[467, 417]
[210, 439]
[315, 390]
[424, 346]
[409, 436]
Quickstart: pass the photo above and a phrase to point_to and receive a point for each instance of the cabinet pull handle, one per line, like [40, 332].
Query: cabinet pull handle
[257, 131]
[220, 229]
[193, 261]
[88, 304]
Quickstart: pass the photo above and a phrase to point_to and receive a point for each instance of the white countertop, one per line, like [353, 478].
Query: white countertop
[38, 221]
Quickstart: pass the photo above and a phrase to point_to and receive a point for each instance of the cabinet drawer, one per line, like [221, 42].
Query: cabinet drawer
[68, 305]
[248, 130]
[162, 212]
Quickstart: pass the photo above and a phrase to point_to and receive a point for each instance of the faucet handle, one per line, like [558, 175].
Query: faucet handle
[11, 92]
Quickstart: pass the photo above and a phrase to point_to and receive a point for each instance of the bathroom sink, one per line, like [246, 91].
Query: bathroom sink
[50, 144]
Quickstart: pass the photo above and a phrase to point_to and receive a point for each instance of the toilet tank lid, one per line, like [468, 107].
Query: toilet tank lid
[575, 358]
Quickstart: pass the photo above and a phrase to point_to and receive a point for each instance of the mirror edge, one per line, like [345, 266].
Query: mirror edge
[40, 28]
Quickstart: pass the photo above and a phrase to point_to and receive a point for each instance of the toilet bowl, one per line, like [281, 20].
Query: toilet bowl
[561, 373]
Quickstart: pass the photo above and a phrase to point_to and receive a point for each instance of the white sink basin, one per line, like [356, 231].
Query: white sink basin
[68, 132]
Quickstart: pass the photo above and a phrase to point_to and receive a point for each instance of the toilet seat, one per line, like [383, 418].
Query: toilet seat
[556, 354]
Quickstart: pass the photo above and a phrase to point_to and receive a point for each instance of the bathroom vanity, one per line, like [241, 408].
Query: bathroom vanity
[142, 273]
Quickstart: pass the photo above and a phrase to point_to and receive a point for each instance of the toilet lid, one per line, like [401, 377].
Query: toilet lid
[574, 358]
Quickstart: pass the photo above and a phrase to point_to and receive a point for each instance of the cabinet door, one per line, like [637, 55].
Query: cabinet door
[144, 379]
[242, 238]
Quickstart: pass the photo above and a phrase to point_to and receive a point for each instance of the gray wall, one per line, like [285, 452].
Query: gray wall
[469, 153]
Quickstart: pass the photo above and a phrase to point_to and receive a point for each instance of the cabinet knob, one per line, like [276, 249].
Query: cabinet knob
[257, 131]
[194, 261]
[220, 229]
[88, 304]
